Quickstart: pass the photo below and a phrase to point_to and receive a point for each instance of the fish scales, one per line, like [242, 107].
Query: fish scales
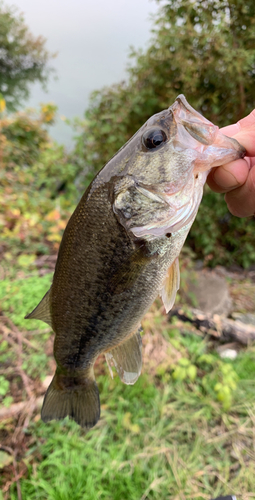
[120, 251]
[100, 305]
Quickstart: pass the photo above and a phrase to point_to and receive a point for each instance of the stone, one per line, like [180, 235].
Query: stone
[247, 319]
[228, 353]
[209, 293]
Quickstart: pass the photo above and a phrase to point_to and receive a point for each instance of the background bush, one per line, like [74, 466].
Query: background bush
[205, 50]
[37, 184]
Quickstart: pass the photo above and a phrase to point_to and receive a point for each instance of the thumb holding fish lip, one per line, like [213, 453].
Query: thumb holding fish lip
[228, 177]
[241, 201]
[237, 178]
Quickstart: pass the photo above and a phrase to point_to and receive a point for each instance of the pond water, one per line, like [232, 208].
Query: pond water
[92, 41]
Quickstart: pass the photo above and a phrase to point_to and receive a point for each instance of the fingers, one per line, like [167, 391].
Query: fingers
[238, 181]
[248, 121]
[237, 178]
[229, 176]
[241, 201]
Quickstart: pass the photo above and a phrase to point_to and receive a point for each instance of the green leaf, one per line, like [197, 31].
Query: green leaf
[192, 372]
[5, 459]
[184, 362]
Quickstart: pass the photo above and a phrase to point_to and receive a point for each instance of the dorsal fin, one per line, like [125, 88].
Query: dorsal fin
[127, 359]
[171, 285]
[42, 311]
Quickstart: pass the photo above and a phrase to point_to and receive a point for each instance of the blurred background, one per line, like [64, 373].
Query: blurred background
[91, 42]
[76, 81]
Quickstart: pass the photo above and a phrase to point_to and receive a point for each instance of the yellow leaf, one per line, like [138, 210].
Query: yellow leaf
[126, 420]
[53, 229]
[135, 428]
[2, 105]
[54, 237]
[62, 224]
[15, 212]
[53, 215]
[128, 425]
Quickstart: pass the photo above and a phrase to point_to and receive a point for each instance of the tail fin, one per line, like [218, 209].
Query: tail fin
[73, 396]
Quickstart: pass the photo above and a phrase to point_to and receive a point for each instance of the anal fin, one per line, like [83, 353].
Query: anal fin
[127, 359]
[171, 285]
[42, 311]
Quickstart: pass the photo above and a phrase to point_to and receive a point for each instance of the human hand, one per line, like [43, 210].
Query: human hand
[237, 178]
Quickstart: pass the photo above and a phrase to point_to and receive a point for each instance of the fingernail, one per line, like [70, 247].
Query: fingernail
[225, 179]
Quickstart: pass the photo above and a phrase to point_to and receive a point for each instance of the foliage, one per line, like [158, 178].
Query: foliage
[144, 446]
[37, 183]
[4, 386]
[171, 457]
[205, 50]
[23, 57]
[203, 372]
[22, 355]
[207, 38]
[218, 237]
[22, 138]
[212, 376]
[202, 49]
[21, 296]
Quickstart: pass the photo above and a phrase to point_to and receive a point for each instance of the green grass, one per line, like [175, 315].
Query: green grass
[155, 443]
[21, 296]
[17, 298]
[165, 438]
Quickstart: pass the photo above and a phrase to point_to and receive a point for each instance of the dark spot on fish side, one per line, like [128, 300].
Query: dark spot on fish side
[196, 176]
[168, 235]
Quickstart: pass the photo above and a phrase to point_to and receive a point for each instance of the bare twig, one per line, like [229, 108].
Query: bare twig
[39, 332]
[6, 413]
[17, 345]
[17, 475]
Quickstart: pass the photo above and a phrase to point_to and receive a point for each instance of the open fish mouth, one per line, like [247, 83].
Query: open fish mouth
[204, 147]
[196, 132]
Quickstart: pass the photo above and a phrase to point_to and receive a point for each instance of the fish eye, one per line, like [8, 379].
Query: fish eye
[153, 138]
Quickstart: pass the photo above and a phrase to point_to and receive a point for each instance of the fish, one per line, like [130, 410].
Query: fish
[120, 250]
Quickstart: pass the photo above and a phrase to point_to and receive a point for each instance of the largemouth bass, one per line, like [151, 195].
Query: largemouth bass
[120, 251]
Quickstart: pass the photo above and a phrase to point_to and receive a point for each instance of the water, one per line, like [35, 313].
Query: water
[92, 39]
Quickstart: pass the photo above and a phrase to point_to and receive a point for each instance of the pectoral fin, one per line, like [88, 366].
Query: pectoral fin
[42, 311]
[127, 359]
[171, 285]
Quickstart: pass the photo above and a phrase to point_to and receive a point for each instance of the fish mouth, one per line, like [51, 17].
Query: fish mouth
[204, 147]
[226, 149]
[223, 150]
[194, 131]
